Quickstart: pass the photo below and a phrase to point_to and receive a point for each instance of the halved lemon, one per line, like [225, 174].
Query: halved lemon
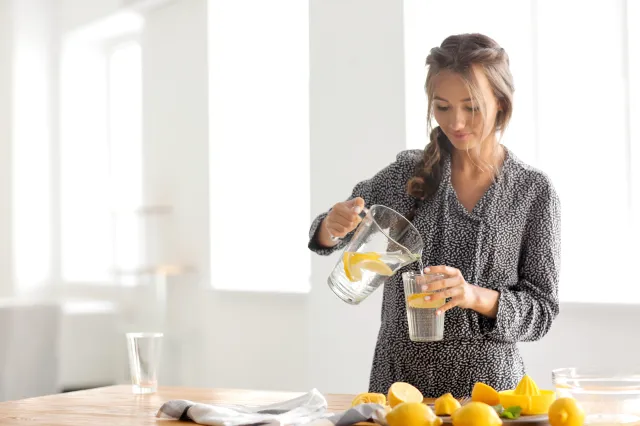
[482, 392]
[400, 392]
[446, 405]
[369, 397]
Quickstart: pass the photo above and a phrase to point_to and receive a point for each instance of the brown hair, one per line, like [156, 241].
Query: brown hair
[458, 53]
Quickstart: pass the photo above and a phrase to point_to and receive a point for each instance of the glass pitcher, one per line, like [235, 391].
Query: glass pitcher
[383, 242]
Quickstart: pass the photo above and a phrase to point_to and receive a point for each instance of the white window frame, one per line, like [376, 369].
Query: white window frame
[632, 9]
[102, 43]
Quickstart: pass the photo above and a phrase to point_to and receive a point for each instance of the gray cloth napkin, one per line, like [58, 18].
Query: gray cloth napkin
[360, 413]
[308, 409]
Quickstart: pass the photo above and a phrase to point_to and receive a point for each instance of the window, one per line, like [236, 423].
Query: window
[125, 152]
[633, 74]
[100, 152]
[31, 146]
[259, 145]
[575, 103]
[583, 142]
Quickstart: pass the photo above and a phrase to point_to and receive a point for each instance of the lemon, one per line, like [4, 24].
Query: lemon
[484, 393]
[475, 414]
[368, 397]
[400, 392]
[446, 405]
[417, 301]
[566, 412]
[350, 261]
[412, 414]
[377, 266]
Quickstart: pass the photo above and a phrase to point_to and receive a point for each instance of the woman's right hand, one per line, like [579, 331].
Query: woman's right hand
[343, 218]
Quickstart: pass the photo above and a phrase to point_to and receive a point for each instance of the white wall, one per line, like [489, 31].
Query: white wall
[357, 112]
[176, 127]
[215, 335]
[357, 105]
[6, 55]
[587, 335]
[32, 133]
[77, 13]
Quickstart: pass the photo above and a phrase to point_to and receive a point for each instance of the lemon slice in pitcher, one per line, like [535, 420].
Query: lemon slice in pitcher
[374, 265]
[351, 261]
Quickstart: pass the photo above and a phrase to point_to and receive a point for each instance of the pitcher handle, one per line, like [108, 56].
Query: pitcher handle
[362, 214]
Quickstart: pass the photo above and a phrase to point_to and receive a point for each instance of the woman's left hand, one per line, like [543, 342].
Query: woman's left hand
[462, 293]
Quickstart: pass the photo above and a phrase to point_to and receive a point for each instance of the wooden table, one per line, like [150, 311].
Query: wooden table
[116, 405]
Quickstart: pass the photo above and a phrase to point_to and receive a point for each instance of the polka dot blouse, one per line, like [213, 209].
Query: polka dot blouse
[509, 242]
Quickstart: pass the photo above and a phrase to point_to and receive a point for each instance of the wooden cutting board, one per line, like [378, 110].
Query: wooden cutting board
[523, 420]
[542, 420]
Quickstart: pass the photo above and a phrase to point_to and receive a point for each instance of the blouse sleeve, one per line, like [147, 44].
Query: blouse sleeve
[369, 190]
[526, 310]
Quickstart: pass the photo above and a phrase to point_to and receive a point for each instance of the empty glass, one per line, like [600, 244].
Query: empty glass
[383, 242]
[144, 360]
[424, 324]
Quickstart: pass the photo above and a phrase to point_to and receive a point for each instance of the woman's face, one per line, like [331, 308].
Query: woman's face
[465, 126]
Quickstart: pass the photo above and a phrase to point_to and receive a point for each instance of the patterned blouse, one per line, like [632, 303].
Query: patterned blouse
[509, 242]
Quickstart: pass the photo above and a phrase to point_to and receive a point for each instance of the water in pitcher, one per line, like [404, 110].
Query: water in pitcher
[362, 273]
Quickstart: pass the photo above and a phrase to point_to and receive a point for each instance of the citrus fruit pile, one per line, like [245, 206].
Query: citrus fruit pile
[404, 406]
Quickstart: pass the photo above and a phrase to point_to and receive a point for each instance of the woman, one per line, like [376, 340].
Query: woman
[489, 222]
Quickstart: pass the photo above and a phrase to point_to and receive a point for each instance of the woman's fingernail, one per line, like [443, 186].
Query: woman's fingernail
[427, 298]
[438, 312]
[426, 269]
[424, 288]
